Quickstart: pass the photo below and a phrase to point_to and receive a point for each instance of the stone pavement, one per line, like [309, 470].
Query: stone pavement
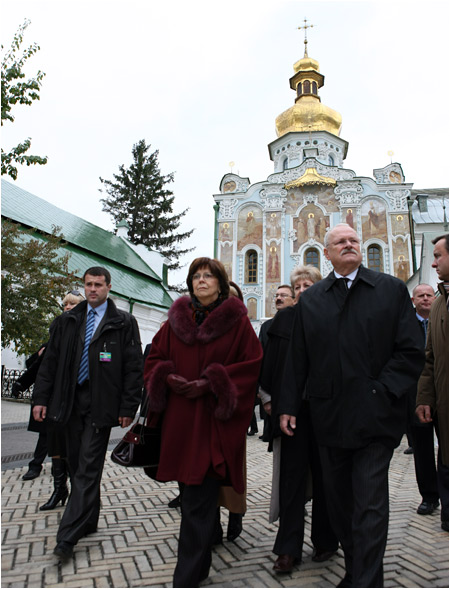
[136, 542]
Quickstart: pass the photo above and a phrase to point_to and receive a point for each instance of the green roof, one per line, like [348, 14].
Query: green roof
[89, 245]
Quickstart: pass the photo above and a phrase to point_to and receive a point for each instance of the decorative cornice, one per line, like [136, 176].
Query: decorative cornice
[226, 208]
[398, 199]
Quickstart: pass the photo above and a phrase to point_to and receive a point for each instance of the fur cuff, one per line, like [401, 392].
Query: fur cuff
[223, 389]
[156, 386]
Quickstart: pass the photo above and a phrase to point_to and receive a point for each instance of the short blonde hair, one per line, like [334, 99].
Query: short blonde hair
[73, 297]
[305, 272]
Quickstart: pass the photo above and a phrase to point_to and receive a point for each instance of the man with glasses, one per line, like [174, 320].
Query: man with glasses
[284, 297]
[358, 350]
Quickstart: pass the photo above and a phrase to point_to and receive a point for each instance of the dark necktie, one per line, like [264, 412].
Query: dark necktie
[83, 371]
[425, 328]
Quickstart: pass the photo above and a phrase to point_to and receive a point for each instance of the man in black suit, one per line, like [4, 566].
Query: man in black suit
[357, 349]
[423, 433]
[89, 381]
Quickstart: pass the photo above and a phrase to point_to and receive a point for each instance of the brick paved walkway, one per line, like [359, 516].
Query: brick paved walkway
[135, 545]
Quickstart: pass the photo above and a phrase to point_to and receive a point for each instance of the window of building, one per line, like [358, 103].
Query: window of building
[312, 257]
[285, 163]
[374, 258]
[299, 89]
[330, 160]
[314, 87]
[307, 87]
[251, 267]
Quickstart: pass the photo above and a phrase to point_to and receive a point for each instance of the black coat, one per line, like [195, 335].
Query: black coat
[115, 386]
[357, 356]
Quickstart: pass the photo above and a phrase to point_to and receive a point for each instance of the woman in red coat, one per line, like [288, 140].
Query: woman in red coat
[201, 374]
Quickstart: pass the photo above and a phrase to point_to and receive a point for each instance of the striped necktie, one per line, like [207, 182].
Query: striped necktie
[83, 371]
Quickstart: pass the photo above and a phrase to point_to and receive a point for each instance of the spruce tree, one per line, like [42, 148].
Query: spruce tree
[139, 196]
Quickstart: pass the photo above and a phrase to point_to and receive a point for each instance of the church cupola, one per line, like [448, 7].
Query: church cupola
[308, 113]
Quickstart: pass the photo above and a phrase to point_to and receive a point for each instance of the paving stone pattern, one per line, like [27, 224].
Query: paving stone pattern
[136, 542]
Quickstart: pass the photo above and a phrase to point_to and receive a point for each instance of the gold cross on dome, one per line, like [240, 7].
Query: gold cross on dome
[305, 27]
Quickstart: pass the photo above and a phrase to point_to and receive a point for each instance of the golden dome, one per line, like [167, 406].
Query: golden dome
[308, 113]
[310, 178]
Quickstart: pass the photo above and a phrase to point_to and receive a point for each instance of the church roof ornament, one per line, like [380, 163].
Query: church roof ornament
[310, 178]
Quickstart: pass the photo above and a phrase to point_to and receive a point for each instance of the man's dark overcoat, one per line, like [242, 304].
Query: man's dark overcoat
[116, 386]
[357, 354]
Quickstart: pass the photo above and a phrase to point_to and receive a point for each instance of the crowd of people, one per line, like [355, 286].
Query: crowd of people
[345, 364]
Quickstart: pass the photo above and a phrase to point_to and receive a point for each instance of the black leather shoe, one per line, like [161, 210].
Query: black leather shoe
[346, 582]
[409, 450]
[234, 526]
[427, 507]
[64, 550]
[175, 502]
[322, 555]
[252, 432]
[444, 525]
[285, 563]
[31, 474]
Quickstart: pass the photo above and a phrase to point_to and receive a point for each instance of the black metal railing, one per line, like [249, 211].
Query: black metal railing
[9, 377]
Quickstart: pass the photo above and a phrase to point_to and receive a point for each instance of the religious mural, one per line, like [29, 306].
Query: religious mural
[349, 217]
[400, 224]
[273, 263]
[270, 301]
[249, 227]
[225, 232]
[310, 224]
[252, 308]
[325, 197]
[373, 217]
[273, 225]
[401, 262]
[226, 257]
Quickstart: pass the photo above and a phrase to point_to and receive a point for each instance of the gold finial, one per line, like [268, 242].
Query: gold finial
[305, 26]
[231, 164]
[390, 154]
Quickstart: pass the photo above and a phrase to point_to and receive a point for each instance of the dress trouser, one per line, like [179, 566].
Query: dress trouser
[425, 461]
[198, 516]
[86, 449]
[40, 452]
[300, 453]
[356, 485]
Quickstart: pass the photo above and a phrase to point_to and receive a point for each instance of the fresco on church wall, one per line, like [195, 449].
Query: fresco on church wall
[310, 224]
[249, 227]
[373, 218]
[252, 308]
[226, 257]
[270, 301]
[401, 259]
[225, 232]
[400, 225]
[349, 217]
[325, 196]
[273, 263]
[273, 225]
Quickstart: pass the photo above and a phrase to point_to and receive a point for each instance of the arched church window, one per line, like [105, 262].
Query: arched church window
[251, 267]
[312, 257]
[314, 87]
[252, 307]
[307, 87]
[299, 89]
[374, 258]
[330, 160]
[285, 163]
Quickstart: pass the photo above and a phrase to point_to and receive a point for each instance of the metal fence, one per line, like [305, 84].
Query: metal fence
[9, 377]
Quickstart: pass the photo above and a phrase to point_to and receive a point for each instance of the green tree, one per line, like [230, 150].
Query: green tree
[35, 277]
[138, 195]
[17, 90]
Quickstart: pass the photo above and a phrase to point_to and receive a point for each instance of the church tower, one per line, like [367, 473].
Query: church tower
[264, 230]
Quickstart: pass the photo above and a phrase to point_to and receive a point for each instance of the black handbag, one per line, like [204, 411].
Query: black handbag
[141, 445]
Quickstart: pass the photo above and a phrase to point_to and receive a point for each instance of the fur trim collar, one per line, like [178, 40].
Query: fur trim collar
[214, 326]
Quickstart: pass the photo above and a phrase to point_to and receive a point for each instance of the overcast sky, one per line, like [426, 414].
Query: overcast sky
[203, 82]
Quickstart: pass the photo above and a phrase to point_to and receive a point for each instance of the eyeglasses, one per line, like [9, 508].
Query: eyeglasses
[75, 293]
[205, 276]
[282, 296]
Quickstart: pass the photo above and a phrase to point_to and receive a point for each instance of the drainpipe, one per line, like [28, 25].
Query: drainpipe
[131, 303]
[216, 229]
